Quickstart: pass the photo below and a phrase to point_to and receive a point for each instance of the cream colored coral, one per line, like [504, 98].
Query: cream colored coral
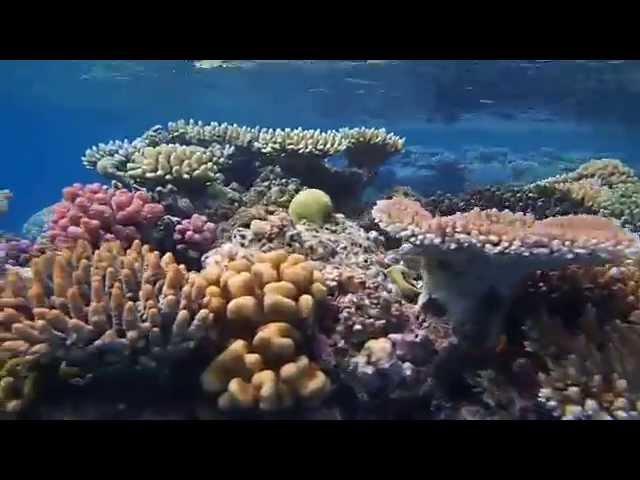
[372, 136]
[170, 163]
[285, 141]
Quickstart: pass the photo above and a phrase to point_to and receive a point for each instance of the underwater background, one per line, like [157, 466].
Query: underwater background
[531, 110]
[366, 239]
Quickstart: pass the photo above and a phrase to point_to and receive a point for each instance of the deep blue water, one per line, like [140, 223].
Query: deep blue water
[50, 112]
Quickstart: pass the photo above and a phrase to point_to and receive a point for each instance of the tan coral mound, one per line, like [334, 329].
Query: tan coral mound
[269, 301]
[472, 262]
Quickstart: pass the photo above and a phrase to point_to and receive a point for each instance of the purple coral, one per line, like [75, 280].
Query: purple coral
[14, 252]
[195, 233]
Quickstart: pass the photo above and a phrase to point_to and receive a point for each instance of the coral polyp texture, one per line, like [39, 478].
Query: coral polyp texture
[5, 196]
[268, 303]
[472, 262]
[96, 213]
[91, 310]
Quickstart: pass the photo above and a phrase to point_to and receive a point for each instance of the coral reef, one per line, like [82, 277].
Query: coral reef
[272, 188]
[89, 311]
[607, 186]
[582, 323]
[266, 302]
[473, 262]
[95, 213]
[311, 205]
[201, 154]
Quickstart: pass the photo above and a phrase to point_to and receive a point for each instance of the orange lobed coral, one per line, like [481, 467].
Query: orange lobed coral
[268, 301]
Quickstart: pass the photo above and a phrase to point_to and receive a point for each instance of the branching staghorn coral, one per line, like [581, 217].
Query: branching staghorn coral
[473, 262]
[5, 196]
[268, 303]
[88, 311]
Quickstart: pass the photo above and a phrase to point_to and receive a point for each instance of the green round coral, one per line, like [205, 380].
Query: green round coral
[311, 205]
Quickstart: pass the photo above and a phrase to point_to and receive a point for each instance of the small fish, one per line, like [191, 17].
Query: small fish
[318, 90]
[486, 101]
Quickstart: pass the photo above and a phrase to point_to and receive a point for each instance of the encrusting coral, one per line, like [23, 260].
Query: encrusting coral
[473, 262]
[91, 310]
[268, 302]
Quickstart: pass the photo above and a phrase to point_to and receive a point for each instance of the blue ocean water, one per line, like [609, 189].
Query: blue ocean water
[51, 111]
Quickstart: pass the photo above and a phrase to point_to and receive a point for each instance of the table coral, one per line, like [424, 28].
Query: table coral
[96, 213]
[267, 303]
[473, 262]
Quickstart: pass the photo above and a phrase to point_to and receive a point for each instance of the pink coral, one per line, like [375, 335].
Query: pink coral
[195, 233]
[96, 213]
